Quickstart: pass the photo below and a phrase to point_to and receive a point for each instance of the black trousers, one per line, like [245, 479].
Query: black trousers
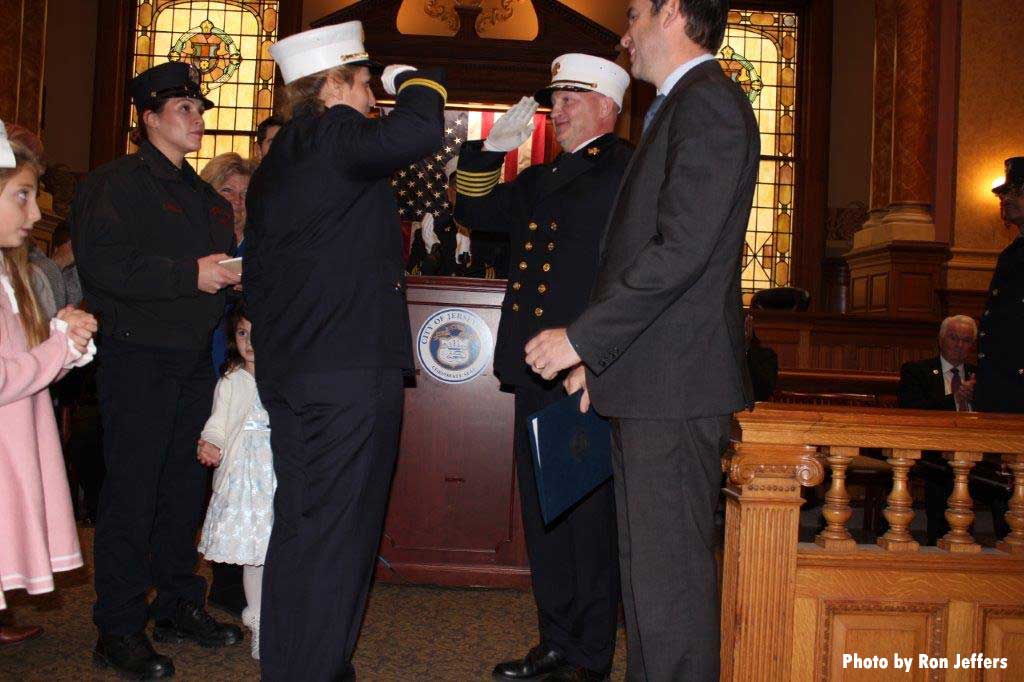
[574, 561]
[335, 440]
[154, 403]
[667, 483]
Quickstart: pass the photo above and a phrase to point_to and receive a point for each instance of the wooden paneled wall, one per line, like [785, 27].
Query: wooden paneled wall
[23, 26]
[835, 353]
[824, 341]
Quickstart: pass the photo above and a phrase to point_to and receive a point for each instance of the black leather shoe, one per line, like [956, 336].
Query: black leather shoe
[541, 660]
[230, 601]
[576, 674]
[132, 656]
[193, 622]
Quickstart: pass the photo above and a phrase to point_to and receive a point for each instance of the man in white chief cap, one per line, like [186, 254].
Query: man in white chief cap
[554, 215]
[324, 288]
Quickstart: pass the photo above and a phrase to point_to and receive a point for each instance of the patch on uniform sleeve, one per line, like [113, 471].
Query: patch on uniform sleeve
[474, 184]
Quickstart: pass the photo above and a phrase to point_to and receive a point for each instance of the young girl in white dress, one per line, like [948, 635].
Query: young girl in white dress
[236, 441]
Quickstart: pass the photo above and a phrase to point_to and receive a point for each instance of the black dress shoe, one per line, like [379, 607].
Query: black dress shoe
[132, 656]
[576, 674]
[230, 601]
[193, 622]
[541, 660]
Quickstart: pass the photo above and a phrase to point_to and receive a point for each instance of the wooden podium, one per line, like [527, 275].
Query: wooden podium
[454, 515]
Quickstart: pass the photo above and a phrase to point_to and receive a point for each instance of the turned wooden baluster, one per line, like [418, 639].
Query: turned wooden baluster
[960, 513]
[1014, 541]
[837, 511]
[900, 510]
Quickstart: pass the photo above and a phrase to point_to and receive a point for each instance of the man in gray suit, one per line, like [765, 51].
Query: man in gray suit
[660, 347]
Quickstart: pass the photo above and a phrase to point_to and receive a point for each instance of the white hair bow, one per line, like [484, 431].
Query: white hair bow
[6, 152]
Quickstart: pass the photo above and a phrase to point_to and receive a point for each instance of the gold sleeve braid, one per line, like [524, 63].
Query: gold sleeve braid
[427, 83]
[473, 184]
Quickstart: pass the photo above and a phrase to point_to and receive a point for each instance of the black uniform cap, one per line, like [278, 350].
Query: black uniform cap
[1014, 175]
[167, 80]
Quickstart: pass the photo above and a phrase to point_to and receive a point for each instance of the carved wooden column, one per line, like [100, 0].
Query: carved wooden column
[21, 62]
[960, 513]
[900, 511]
[895, 262]
[837, 501]
[758, 576]
[1014, 541]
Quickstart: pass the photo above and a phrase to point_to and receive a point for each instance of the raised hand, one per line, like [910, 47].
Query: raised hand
[514, 128]
[387, 78]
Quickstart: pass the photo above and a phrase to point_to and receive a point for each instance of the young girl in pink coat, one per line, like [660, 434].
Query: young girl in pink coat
[37, 527]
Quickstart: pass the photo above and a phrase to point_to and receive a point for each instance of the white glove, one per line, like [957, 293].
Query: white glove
[388, 77]
[74, 359]
[514, 128]
[461, 245]
[427, 230]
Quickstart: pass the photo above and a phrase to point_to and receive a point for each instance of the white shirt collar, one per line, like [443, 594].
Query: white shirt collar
[680, 71]
[947, 366]
[7, 285]
[587, 142]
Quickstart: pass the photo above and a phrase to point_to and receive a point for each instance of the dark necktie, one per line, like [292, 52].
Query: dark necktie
[954, 386]
[652, 110]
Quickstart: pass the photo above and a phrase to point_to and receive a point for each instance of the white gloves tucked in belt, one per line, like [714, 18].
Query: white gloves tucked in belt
[430, 238]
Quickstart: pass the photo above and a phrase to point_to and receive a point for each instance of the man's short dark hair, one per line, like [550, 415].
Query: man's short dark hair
[705, 20]
[265, 125]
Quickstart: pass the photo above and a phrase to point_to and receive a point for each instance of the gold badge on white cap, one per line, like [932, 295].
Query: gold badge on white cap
[319, 49]
[585, 73]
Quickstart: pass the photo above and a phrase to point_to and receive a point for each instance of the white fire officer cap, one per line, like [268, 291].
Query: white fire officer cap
[585, 73]
[319, 49]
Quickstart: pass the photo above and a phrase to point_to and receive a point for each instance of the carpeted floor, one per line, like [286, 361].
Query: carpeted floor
[411, 633]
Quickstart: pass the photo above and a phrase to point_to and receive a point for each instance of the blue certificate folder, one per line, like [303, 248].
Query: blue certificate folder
[572, 454]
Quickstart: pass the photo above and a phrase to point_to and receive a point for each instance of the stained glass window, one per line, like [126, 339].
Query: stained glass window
[760, 53]
[229, 42]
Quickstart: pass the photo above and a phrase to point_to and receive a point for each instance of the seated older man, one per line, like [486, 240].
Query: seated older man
[946, 382]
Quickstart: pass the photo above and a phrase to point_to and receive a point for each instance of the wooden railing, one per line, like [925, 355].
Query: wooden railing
[800, 611]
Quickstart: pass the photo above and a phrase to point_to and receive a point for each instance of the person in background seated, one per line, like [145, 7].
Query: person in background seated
[1000, 352]
[944, 382]
[762, 362]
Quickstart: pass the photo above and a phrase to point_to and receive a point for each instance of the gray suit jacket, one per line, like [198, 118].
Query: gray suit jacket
[662, 337]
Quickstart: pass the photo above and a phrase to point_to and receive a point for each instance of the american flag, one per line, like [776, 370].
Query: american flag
[420, 187]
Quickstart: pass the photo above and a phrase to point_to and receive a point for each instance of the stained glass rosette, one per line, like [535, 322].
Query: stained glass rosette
[229, 43]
